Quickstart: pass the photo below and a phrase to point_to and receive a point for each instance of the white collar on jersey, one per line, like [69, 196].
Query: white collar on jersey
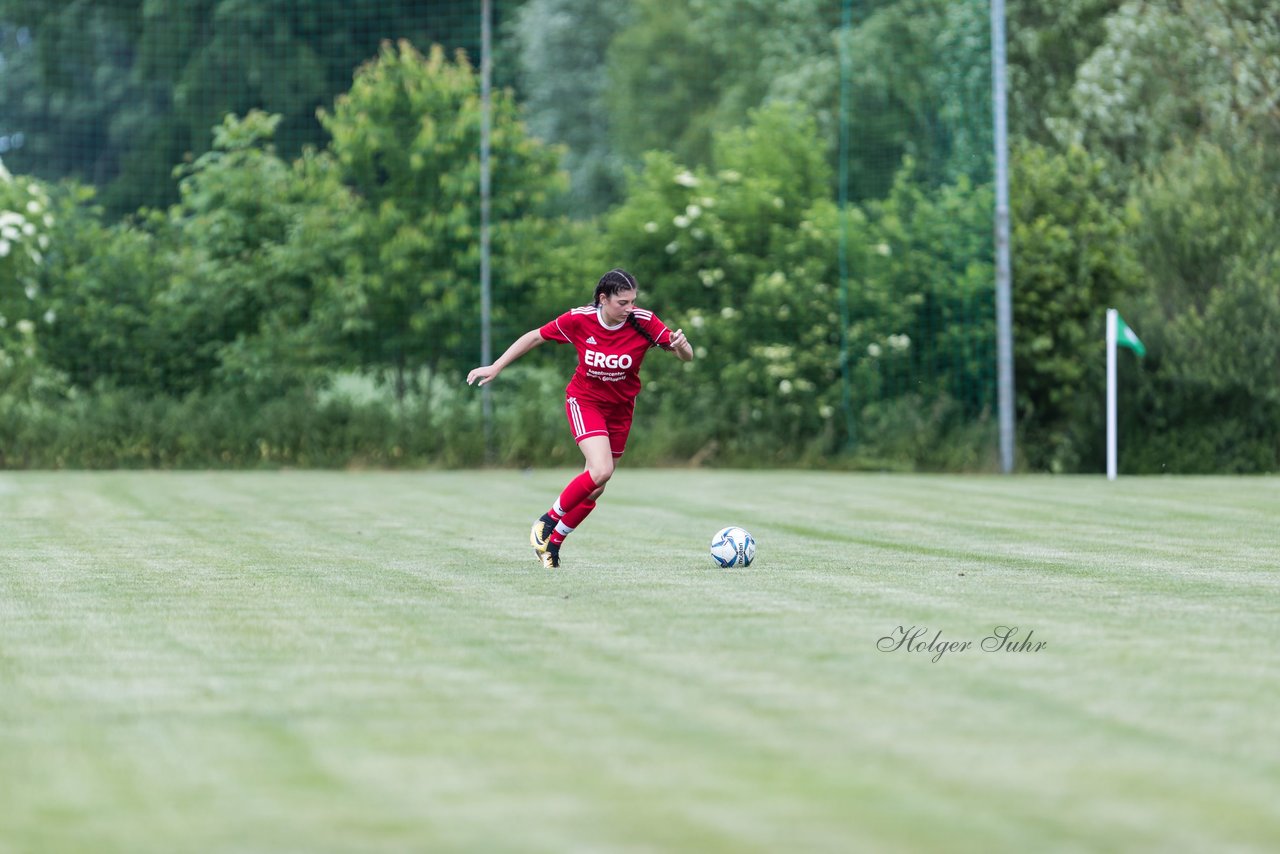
[600, 317]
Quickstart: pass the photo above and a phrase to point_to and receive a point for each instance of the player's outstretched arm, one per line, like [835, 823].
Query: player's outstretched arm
[681, 346]
[518, 348]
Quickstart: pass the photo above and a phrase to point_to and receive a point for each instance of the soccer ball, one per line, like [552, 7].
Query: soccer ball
[732, 546]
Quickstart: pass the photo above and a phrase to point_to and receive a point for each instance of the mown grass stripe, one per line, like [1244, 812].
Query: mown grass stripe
[372, 661]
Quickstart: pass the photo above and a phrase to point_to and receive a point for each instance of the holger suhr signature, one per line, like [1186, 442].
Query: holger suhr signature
[917, 639]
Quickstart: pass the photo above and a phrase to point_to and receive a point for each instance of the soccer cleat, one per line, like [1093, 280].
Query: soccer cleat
[550, 556]
[541, 531]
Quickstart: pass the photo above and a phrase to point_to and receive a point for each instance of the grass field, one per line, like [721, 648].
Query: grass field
[373, 662]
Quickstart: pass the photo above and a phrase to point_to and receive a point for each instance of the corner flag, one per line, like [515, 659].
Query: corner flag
[1118, 335]
[1126, 337]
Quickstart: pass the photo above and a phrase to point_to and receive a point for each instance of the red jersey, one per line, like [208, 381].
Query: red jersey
[608, 357]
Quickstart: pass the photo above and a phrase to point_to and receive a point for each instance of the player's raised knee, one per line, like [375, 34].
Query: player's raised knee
[601, 472]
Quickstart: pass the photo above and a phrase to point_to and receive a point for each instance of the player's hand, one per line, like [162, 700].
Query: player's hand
[484, 374]
[678, 341]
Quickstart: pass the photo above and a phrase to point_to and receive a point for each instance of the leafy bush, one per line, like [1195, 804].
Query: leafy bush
[1073, 260]
[1208, 400]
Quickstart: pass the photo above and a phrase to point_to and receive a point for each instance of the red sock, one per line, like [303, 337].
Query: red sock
[576, 492]
[571, 520]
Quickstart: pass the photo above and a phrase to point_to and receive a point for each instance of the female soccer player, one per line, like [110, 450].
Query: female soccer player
[611, 336]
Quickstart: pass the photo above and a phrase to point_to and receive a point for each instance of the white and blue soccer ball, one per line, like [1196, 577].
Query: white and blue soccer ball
[733, 546]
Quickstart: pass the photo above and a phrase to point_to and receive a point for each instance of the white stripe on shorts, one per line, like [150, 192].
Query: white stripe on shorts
[575, 414]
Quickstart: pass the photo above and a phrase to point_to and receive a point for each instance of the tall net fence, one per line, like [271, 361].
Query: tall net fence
[286, 196]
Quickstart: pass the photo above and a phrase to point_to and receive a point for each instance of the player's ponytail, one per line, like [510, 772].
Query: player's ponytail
[635, 324]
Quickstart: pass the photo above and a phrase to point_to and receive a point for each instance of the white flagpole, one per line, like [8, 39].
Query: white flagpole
[1111, 393]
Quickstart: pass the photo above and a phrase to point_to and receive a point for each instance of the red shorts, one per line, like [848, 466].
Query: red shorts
[588, 418]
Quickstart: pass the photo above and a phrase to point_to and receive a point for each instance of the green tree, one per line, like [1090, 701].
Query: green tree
[407, 139]
[239, 285]
[744, 256]
[737, 256]
[68, 93]
[562, 49]
[920, 88]
[125, 89]
[930, 276]
[1170, 71]
[261, 289]
[1207, 235]
[101, 285]
[1201, 209]
[920, 81]
[1046, 45]
[1228, 347]
[662, 85]
[760, 51]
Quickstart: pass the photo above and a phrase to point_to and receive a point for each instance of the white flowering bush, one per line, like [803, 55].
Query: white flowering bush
[25, 223]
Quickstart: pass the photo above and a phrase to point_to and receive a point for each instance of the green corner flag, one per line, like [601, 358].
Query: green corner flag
[1126, 337]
